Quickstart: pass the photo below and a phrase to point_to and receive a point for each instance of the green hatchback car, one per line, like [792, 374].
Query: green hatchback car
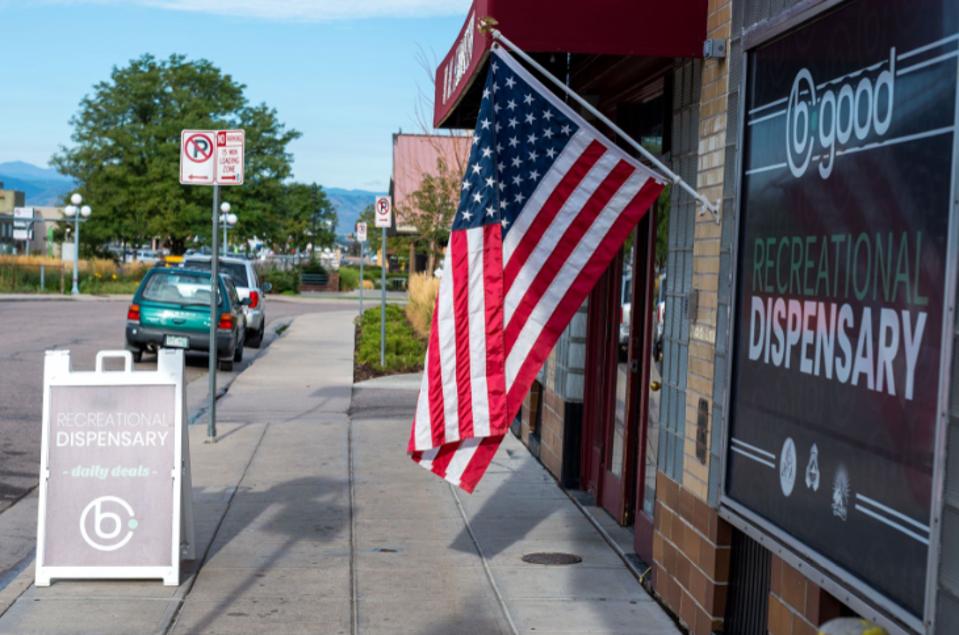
[171, 309]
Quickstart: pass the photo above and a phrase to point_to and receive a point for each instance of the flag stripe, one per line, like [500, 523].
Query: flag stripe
[460, 459]
[564, 162]
[493, 305]
[479, 462]
[476, 333]
[447, 351]
[461, 257]
[534, 225]
[557, 258]
[437, 407]
[574, 297]
[571, 271]
[442, 458]
[551, 237]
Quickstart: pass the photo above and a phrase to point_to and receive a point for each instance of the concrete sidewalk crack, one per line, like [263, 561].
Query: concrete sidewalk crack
[206, 553]
[486, 568]
[354, 584]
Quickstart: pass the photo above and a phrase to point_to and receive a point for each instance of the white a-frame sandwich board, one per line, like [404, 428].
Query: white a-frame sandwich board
[115, 489]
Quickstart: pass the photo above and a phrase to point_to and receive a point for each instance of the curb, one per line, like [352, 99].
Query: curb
[60, 298]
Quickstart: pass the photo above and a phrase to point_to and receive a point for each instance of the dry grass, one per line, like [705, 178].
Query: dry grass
[422, 290]
[100, 267]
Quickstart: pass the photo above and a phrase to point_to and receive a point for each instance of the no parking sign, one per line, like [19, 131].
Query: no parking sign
[384, 211]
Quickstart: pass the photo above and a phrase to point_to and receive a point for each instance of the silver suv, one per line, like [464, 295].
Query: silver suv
[248, 285]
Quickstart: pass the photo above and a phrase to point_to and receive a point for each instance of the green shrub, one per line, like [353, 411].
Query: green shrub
[349, 278]
[404, 350]
[286, 282]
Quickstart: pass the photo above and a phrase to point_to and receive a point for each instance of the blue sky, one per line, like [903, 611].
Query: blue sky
[346, 73]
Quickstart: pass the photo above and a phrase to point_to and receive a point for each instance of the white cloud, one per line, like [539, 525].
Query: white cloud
[310, 10]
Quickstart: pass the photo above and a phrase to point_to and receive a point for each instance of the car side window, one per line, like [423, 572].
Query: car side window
[233, 294]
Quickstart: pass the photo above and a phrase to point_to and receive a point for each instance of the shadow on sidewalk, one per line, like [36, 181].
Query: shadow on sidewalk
[301, 511]
[505, 511]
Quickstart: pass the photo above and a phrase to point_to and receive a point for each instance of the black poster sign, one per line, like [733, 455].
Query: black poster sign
[847, 174]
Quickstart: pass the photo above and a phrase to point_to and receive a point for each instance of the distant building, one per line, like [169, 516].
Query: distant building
[416, 156]
[8, 200]
[52, 219]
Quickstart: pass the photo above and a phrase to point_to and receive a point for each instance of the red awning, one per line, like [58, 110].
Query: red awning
[602, 27]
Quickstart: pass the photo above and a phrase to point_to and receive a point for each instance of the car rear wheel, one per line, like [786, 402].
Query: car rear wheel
[238, 353]
[225, 365]
[137, 356]
[256, 338]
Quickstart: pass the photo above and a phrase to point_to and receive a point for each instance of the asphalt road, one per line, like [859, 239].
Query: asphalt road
[83, 328]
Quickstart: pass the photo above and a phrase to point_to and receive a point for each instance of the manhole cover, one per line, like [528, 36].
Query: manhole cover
[552, 558]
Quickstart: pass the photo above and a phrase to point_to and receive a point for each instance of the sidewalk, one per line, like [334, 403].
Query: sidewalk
[310, 519]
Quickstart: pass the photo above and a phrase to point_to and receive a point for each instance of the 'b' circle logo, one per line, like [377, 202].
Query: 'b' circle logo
[101, 515]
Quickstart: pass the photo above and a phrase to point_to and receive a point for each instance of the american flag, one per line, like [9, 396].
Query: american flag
[546, 202]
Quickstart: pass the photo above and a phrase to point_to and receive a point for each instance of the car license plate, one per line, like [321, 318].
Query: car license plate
[176, 341]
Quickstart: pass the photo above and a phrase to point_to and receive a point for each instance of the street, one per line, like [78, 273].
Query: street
[83, 328]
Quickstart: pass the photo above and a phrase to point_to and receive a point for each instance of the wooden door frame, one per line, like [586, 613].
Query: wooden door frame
[643, 522]
[615, 492]
[595, 400]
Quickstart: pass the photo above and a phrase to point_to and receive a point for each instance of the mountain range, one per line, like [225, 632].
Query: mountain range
[41, 186]
[46, 186]
[349, 204]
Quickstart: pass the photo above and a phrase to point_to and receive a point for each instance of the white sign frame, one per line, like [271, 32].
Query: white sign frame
[194, 172]
[25, 216]
[383, 212]
[222, 152]
[170, 364]
[361, 235]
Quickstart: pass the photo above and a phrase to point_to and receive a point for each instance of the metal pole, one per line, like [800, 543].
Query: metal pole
[76, 251]
[669, 174]
[226, 244]
[383, 301]
[361, 277]
[43, 278]
[214, 318]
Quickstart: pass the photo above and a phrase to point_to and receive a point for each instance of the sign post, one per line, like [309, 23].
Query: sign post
[214, 318]
[383, 218]
[361, 238]
[212, 157]
[115, 488]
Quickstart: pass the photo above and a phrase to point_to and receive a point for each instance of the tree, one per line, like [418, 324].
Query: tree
[125, 156]
[434, 205]
[306, 212]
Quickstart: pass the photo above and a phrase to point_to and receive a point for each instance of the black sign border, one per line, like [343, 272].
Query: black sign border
[845, 586]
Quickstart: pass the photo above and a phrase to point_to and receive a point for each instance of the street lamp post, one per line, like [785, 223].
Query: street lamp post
[75, 211]
[229, 221]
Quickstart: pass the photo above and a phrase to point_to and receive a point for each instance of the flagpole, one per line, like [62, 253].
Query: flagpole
[713, 208]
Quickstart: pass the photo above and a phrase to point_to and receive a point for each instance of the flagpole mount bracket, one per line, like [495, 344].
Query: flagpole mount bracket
[488, 26]
[712, 208]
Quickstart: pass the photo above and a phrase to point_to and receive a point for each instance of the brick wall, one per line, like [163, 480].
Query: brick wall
[691, 544]
[552, 431]
[706, 246]
[796, 605]
[690, 557]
